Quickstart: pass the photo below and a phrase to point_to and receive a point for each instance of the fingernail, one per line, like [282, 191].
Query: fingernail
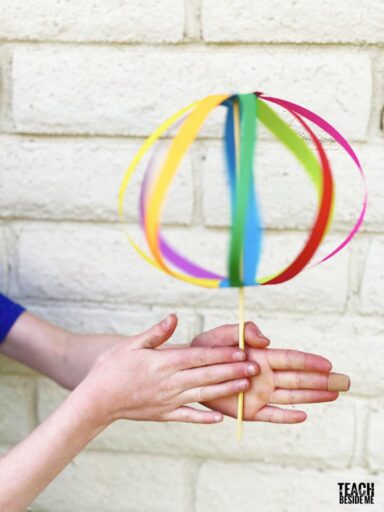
[217, 418]
[251, 369]
[239, 356]
[242, 385]
[338, 382]
[166, 323]
[260, 334]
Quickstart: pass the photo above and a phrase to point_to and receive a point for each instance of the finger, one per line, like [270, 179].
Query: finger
[214, 391]
[339, 382]
[215, 374]
[193, 357]
[254, 337]
[280, 359]
[156, 335]
[311, 380]
[301, 396]
[191, 415]
[227, 335]
[272, 414]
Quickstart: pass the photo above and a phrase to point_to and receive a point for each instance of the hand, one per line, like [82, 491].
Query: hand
[286, 377]
[135, 380]
[81, 351]
[132, 379]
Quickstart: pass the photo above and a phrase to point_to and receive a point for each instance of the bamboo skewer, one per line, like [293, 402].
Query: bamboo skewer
[240, 398]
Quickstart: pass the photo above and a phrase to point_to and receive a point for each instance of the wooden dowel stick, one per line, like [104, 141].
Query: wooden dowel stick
[240, 398]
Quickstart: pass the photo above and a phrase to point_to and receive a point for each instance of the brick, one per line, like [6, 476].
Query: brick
[67, 179]
[372, 160]
[295, 22]
[117, 21]
[120, 482]
[340, 338]
[92, 263]
[59, 90]
[375, 443]
[16, 408]
[326, 439]
[287, 198]
[372, 289]
[246, 487]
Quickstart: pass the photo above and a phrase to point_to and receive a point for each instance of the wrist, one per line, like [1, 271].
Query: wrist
[93, 404]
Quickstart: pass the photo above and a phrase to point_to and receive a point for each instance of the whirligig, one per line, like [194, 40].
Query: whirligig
[243, 113]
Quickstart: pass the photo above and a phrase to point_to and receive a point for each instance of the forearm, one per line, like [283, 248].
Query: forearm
[31, 465]
[63, 356]
[37, 344]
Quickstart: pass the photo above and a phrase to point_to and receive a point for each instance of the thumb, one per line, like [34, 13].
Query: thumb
[254, 337]
[228, 335]
[157, 334]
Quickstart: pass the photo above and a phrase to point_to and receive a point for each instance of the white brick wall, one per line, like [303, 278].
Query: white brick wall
[254, 487]
[96, 264]
[82, 84]
[121, 482]
[80, 179]
[63, 89]
[293, 21]
[375, 449]
[372, 288]
[16, 418]
[96, 20]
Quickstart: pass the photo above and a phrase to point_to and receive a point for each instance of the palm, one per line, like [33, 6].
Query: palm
[262, 386]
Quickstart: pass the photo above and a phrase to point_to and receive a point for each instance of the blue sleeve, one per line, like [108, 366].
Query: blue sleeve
[9, 313]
